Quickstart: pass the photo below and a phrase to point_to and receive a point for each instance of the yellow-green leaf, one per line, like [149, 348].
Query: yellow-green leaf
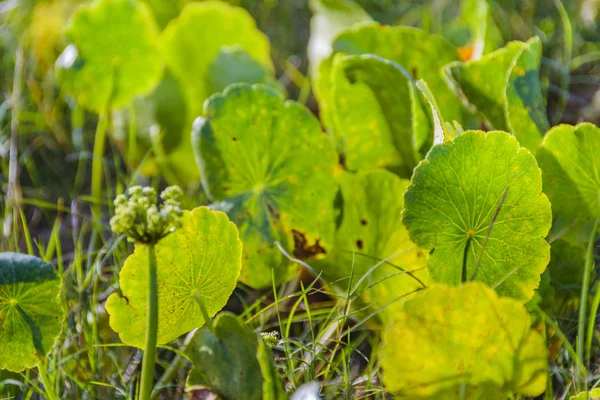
[467, 338]
[504, 87]
[476, 203]
[372, 245]
[569, 158]
[203, 257]
[266, 162]
[112, 55]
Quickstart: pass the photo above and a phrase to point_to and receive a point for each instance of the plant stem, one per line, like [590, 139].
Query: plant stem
[48, 387]
[97, 163]
[585, 288]
[151, 328]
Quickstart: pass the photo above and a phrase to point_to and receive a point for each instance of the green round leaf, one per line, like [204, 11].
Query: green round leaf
[465, 336]
[476, 185]
[193, 40]
[31, 310]
[113, 55]
[504, 87]
[203, 256]
[371, 231]
[569, 159]
[270, 167]
[229, 361]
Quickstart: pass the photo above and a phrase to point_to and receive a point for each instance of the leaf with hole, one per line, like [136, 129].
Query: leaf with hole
[569, 158]
[476, 204]
[504, 87]
[31, 310]
[112, 55]
[230, 360]
[372, 245]
[468, 338]
[266, 162]
[202, 257]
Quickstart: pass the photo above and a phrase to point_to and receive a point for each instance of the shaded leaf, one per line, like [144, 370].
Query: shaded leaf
[31, 310]
[465, 186]
[113, 54]
[566, 267]
[267, 164]
[203, 256]
[371, 231]
[467, 336]
[569, 159]
[504, 87]
[230, 360]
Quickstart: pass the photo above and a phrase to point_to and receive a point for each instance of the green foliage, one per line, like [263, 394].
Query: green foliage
[591, 395]
[463, 343]
[202, 257]
[476, 203]
[393, 129]
[421, 54]
[371, 230]
[256, 153]
[504, 87]
[571, 171]
[192, 42]
[404, 124]
[31, 310]
[113, 54]
[231, 360]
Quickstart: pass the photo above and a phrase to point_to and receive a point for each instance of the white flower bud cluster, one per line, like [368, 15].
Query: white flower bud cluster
[140, 216]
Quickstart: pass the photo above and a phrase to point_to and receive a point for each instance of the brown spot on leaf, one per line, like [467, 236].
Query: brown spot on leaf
[203, 394]
[360, 244]
[302, 250]
[363, 222]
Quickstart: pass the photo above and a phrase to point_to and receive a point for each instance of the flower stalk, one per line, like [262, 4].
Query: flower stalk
[140, 217]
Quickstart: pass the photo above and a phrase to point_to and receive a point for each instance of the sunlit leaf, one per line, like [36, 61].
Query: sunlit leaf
[569, 159]
[591, 395]
[467, 338]
[476, 203]
[267, 164]
[202, 257]
[420, 53]
[112, 56]
[504, 87]
[31, 311]
[371, 233]
[373, 71]
[229, 361]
